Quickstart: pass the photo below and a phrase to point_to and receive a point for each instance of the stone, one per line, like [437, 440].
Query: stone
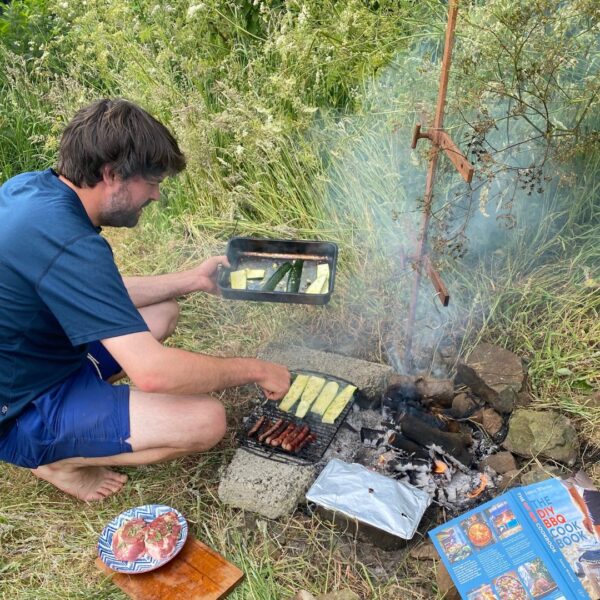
[492, 422]
[545, 434]
[502, 462]
[477, 416]
[446, 587]
[540, 473]
[271, 489]
[592, 402]
[345, 594]
[494, 374]
[524, 399]
[509, 479]
[463, 406]
[370, 378]
[424, 551]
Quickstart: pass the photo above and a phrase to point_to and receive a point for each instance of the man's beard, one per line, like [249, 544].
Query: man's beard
[119, 212]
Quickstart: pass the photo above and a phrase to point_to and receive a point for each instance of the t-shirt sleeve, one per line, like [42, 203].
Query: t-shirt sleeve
[84, 290]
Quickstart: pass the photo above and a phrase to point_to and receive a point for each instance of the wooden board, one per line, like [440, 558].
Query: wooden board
[196, 573]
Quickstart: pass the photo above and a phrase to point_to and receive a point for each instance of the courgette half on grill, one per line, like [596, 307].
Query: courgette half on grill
[337, 406]
[311, 391]
[328, 393]
[294, 392]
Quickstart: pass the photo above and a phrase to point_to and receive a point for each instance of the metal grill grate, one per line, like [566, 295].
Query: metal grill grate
[312, 452]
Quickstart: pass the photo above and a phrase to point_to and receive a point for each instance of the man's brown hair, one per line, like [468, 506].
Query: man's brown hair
[121, 135]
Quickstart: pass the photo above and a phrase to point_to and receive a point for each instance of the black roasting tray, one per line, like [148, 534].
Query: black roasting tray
[325, 432]
[265, 254]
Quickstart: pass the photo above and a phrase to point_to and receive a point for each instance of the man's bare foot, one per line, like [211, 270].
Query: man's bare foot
[85, 483]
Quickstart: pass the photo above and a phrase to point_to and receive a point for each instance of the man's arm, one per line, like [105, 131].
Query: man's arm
[155, 368]
[153, 289]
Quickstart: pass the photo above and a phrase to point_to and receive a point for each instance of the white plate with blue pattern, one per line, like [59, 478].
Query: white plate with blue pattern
[144, 563]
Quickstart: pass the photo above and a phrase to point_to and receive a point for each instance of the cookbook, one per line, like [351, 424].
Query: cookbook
[536, 541]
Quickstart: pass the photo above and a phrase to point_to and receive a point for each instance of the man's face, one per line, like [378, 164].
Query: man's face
[124, 205]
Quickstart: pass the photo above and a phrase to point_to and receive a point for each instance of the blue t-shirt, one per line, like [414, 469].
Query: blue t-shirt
[59, 288]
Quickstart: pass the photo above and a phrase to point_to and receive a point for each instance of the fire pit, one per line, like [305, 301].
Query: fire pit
[427, 442]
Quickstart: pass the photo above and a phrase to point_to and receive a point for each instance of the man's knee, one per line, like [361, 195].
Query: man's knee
[211, 427]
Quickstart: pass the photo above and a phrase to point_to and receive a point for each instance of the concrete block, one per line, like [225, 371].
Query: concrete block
[260, 485]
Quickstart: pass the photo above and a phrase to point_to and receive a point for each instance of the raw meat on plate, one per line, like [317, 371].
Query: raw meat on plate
[128, 542]
[161, 535]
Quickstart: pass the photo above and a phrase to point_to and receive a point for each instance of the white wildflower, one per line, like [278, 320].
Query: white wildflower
[194, 8]
[239, 150]
[303, 15]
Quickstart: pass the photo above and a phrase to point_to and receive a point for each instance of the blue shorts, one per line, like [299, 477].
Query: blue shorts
[82, 416]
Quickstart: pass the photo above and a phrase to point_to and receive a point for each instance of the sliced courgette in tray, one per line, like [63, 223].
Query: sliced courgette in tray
[337, 406]
[316, 287]
[294, 392]
[279, 274]
[293, 282]
[238, 279]
[323, 269]
[311, 391]
[328, 393]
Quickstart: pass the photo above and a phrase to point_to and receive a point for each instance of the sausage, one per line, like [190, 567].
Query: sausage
[307, 440]
[290, 434]
[270, 430]
[257, 426]
[298, 440]
[276, 433]
[289, 443]
[276, 441]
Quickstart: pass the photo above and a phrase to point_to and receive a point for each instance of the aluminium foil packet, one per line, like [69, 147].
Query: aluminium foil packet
[369, 498]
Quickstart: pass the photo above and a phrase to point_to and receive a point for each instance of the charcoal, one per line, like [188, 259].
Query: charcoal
[372, 437]
[455, 444]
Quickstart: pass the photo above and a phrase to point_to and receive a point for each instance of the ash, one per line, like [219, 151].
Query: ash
[448, 482]
[347, 445]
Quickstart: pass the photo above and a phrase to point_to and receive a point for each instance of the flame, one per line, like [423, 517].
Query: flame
[482, 485]
[440, 466]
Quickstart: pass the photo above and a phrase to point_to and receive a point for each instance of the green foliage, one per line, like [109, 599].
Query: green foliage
[296, 119]
[540, 63]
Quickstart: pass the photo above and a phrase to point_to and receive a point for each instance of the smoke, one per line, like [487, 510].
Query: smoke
[376, 184]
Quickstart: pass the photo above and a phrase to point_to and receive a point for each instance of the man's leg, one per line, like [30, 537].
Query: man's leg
[162, 428]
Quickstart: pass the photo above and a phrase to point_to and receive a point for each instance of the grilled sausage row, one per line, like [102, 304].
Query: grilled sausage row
[280, 433]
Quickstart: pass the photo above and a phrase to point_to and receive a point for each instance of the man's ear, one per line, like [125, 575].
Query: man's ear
[108, 175]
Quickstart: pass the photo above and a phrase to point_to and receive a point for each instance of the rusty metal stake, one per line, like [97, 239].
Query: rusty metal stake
[441, 141]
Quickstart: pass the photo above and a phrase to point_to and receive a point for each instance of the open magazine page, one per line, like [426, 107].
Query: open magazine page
[494, 553]
[566, 513]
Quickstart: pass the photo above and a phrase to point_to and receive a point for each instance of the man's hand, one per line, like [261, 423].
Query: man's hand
[275, 380]
[206, 274]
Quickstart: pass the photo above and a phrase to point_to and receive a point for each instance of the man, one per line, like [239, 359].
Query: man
[586, 498]
[70, 325]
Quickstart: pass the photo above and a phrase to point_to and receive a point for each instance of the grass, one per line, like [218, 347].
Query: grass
[294, 127]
